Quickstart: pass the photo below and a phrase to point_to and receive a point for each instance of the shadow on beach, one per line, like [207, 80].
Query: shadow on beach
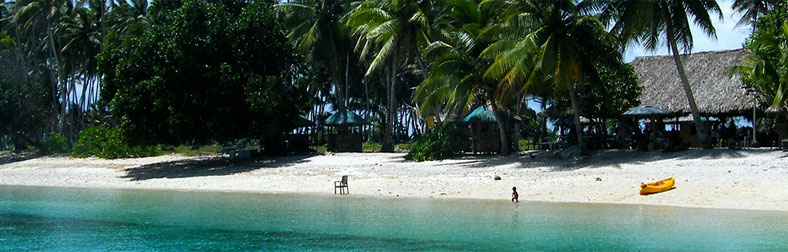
[209, 166]
[7, 157]
[600, 158]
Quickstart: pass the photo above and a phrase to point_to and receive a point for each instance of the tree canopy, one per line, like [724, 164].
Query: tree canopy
[202, 70]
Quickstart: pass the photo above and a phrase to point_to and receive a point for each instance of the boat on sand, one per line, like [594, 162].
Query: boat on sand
[656, 187]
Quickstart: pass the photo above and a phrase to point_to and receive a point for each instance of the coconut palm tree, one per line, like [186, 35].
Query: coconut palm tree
[37, 20]
[455, 79]
[399, 31]
[751, 10]
[551, 43]
[315, 31]
[123, 14]
[763, 70]
[667, 22]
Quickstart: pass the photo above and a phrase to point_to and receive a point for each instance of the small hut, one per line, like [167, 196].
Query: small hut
[484, 131]
[344, 131]
[717, 93]
[298, 140]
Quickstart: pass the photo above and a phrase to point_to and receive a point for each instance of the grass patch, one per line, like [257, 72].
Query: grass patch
[371, 147]
[203, 150]
[405, 146]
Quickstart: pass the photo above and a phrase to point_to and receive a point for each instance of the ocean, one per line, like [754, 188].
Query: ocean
[68, 219]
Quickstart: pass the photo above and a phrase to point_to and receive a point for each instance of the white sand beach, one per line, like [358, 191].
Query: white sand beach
[729, 179]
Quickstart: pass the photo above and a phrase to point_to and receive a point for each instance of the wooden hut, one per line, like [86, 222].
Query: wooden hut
[717, 92]
[484, 131]
[344, 131]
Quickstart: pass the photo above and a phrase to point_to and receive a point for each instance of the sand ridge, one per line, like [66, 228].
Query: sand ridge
[730, 179]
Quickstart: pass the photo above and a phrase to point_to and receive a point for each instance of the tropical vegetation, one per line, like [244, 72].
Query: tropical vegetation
[208, 71]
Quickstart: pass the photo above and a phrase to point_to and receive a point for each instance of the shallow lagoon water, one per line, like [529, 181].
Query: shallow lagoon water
[62, 219]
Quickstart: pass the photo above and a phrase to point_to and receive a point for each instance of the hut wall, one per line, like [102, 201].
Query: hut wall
[344, 142]
[485, 138]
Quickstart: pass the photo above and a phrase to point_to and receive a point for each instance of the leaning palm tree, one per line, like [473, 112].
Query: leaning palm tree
[656, 22]
[548, 43]
[399, 30]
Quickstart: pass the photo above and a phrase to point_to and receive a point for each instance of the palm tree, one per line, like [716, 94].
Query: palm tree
[667, 21]
[32, 16]
[315, 31]
[125, 13]
[751, 10]
[400, 30]
[456, 77]
[762, 69]
[548, 43]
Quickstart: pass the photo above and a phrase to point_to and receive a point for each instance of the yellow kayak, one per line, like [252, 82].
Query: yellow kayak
[659, 186]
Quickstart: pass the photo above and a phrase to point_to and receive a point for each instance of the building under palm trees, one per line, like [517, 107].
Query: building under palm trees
[719, 94]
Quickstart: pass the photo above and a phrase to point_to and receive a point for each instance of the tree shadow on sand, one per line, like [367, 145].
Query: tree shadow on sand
[209, 166]
[602, 158]
[7, 157]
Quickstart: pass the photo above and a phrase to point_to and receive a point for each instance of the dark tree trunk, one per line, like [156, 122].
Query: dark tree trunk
[576, 114]
[703, 138]
[501, 129]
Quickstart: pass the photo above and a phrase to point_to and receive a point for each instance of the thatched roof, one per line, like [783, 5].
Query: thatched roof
[716, 91]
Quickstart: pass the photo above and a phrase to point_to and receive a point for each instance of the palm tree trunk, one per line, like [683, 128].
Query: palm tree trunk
[702, 137]
[501, 128]
[576, 114]
[388, 141]
[517, 124]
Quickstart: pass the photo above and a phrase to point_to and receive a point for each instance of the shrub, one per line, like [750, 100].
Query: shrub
[439, 143]
[109, 144]
[53, 144]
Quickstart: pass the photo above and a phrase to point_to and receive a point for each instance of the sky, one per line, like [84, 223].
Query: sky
[728, 36]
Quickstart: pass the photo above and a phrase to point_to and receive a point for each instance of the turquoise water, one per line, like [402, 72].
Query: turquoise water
[37, 218]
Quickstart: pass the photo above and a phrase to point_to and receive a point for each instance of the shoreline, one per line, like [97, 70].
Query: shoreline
[717, 179]
[358, 196]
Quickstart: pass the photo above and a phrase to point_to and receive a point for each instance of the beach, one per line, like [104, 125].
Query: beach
[723, 179]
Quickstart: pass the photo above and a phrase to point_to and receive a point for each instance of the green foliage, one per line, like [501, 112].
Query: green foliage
[766, 69]
[109, 144]
[405, 146]
[370, 146]
[53, 144]
[202, 70]
[440, 143]
[24, 111]
[202, 150]
[615, 91]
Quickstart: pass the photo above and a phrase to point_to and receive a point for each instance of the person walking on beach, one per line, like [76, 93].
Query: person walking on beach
[515, 196]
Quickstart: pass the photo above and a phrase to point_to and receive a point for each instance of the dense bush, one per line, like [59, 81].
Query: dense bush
[439, 143]
[53, 144]
[109, 143]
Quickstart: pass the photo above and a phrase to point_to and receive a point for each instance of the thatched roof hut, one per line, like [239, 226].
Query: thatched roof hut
[716, 91]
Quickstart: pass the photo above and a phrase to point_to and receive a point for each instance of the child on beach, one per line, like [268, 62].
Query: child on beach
[515, 196]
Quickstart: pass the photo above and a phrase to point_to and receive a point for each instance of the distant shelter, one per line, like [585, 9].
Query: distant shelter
[483, 127]
[344, 131]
